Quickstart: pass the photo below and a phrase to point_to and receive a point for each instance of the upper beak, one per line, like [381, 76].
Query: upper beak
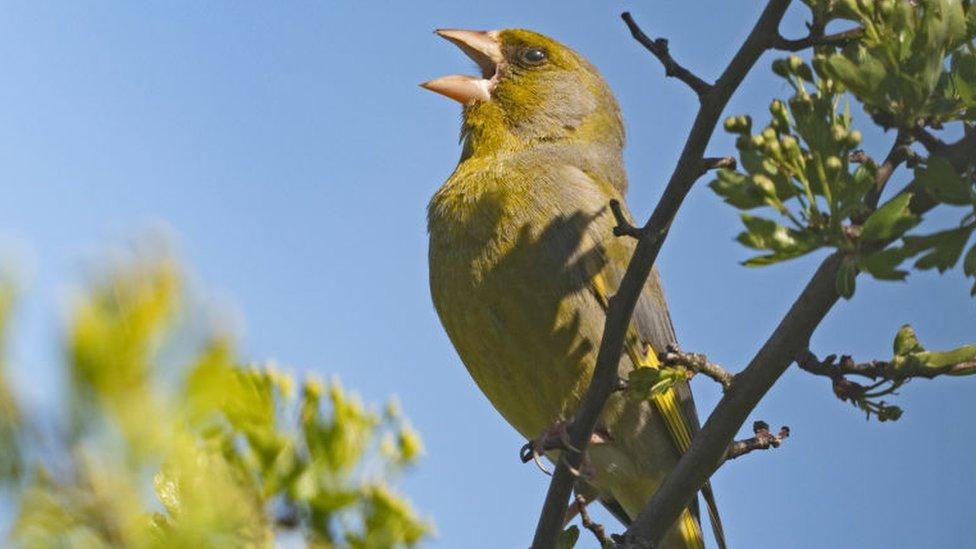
[483, 48]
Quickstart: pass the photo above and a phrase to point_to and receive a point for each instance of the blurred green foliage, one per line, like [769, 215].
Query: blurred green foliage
[198, 451]
[912, 69]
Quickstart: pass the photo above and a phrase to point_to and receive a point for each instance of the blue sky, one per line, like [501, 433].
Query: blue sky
[292, 153]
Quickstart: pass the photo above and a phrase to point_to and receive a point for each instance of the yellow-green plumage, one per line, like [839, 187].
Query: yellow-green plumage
[523, 257]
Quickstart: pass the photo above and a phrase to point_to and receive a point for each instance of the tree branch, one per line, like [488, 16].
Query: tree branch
[717, 163]
[623, 227]
[887, 377]
[961, 154]
[699, 364]
[659, 47]
[598, 532]
[879, 369]
[817, 39]
[764, 440]
[621, 306]
[900, 151]
[712, 442]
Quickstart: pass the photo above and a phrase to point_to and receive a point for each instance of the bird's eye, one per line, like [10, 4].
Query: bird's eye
[534, 56]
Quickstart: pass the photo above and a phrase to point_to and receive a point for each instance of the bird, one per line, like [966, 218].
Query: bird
[523, 260]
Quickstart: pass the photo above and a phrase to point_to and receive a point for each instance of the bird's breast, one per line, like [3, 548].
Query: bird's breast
[510, 276]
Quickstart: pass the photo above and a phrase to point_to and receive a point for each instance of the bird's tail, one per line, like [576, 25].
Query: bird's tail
[713, 516]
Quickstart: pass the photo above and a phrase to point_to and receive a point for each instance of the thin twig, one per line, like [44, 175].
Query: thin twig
[928, 140]
[900, 152]
[859, 157]
[886, 378]
[699, 364]
[878, 369]
[623, 227]
[659, 47]
[596, 528]
[764, 440]
[816, 39]
[717, 163]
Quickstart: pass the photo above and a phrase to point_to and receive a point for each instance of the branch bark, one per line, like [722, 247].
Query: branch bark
[699, 364]
[749, 386]
[621, 305]
[659, 47]
[764, 440]
[816, 39]
[712, 442]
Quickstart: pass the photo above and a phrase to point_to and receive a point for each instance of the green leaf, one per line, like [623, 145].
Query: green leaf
[858, 184]
[906, 342]
[962, 76]
[883, 265]
[941, 359]
[890, 220]
[969, 264]
[647, 382]
[941, 181]
[863, 77]
[568, 537]
[944, 248]
[765, 234]
[846, 277]
[736, 189]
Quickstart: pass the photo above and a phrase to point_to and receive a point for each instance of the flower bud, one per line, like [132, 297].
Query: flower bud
[804, 72]
[795, 62]
[838, 133]
[791, 148]
[781, 68]
[833, 166]
[730, 125]
[765, 184]
[800, 105]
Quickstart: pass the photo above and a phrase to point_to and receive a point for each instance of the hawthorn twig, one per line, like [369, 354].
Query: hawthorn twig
[900, 152]
[886, 377]
[817, 38]
[717, 163]
[764, 440]
[589, 524]
[877, 369]
[699, 364]
[859, 157]
[659, 47]
[623, 227]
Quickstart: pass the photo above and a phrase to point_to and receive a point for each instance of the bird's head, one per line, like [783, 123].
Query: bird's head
[531, 88]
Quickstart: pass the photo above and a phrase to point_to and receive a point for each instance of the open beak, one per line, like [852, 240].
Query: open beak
[483, 48]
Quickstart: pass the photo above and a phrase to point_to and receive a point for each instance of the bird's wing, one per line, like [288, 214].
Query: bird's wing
[650, 333]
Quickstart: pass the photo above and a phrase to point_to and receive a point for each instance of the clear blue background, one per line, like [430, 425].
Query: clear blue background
[291, 150]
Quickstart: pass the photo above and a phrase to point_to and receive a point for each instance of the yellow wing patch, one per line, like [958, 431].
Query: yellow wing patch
[666, 404]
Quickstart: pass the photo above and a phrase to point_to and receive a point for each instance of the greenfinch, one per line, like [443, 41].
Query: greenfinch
[523, 260]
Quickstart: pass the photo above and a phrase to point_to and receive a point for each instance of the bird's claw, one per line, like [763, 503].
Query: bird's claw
[557, 438]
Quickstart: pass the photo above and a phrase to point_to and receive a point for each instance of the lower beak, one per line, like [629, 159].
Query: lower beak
[483, 48]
